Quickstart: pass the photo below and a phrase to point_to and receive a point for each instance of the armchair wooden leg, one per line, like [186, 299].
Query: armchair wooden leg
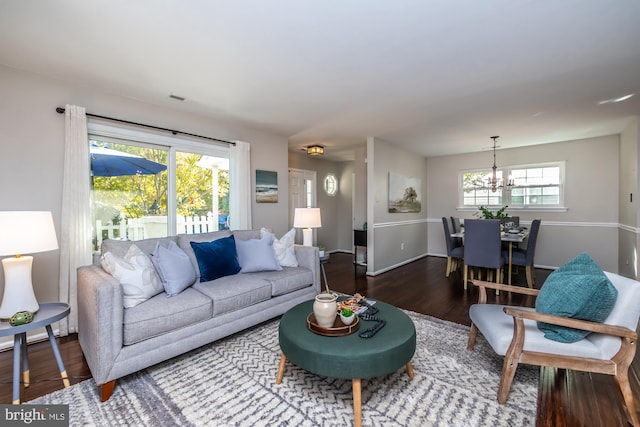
[446, 274]
[622, 378]
[106, 390]
[472, 337]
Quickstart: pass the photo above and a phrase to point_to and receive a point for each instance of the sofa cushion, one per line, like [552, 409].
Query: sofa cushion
[217, 258]
[157, 316]
[283, 247]
[174, 267]
[257, 255]
[287, 280]
[136, 275]
[232, 293]
[578, 289]
[184, 242]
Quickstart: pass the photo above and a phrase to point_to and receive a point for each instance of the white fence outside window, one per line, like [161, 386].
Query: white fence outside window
[153, 226]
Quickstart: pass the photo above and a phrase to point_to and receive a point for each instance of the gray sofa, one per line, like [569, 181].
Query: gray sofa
[118, 341]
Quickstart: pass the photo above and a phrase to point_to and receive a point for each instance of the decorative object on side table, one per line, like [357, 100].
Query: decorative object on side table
[21, 318]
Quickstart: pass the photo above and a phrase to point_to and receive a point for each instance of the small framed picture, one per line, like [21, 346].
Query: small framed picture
[266, 186]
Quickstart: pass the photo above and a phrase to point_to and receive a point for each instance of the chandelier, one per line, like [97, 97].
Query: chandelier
[494, 182]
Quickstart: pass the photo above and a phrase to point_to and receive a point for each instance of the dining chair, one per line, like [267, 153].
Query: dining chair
[457, 227]
[524, 257]
[455, 250]
[482, 247]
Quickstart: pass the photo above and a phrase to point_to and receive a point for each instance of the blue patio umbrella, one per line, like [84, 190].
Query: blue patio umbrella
[108, 162]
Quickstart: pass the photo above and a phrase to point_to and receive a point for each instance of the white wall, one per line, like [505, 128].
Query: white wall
[394, 238]
[591, 195]
[628, 200]
[32, 144]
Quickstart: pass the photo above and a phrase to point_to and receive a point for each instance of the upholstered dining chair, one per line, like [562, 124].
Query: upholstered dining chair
[482, 247]
[512, 332]
[524, 257]
[457, 226]
[455, 250]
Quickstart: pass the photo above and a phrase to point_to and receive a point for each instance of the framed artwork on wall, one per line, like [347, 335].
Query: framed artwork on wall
[266, 186]
[404, 194]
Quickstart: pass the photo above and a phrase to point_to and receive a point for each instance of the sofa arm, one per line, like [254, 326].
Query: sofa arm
[309, 257]
[100, 320]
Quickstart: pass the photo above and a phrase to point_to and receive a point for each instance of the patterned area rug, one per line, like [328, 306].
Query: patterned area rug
[232, 383]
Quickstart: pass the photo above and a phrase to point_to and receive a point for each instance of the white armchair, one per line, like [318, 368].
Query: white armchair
[512, 332]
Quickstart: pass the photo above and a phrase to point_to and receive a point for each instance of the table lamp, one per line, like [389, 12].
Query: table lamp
[22, 233]
[307, 218]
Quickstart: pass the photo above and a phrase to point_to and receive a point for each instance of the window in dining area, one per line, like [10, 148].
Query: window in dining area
[526, 186]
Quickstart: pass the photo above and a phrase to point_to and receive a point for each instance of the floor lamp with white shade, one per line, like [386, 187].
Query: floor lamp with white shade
[22, 232]
[307, 218]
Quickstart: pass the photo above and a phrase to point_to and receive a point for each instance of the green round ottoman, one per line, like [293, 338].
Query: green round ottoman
[348, 357]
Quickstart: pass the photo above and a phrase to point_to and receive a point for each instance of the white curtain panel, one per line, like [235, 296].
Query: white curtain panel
[75, 229]
[240, 197]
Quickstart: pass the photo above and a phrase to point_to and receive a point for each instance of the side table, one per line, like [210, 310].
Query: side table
[47, 314]
[323, 260]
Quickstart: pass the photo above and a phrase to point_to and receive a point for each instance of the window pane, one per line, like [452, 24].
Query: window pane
[129, 191]
[477, 191]
[202, 193]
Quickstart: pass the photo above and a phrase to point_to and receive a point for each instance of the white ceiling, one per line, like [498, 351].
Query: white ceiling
[438, 76]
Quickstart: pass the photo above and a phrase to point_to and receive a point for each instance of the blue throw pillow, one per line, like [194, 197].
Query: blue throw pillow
[217, 258]
[580, 290]
[257, 255]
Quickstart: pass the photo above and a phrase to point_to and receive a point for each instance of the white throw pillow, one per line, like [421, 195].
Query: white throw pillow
[136, 274]
[283, 247]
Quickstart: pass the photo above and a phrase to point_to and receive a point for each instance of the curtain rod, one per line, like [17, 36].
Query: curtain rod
[61, 110]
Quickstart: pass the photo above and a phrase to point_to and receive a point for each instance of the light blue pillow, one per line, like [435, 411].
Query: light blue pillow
[174, 268]
[578, 289]
[257, 255]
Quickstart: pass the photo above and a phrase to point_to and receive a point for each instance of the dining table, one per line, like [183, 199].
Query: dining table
[515, 235]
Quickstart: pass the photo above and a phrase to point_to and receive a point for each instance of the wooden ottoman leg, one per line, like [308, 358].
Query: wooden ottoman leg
[357, 402]
[283, 360]
[410, 370]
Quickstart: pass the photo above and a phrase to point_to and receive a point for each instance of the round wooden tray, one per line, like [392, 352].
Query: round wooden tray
[339, 329]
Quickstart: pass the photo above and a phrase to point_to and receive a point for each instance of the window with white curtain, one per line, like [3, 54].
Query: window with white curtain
[188, 195]
[528, 186]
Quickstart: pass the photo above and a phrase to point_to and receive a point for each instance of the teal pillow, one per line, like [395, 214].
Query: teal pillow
[578, 289]
[217, 258]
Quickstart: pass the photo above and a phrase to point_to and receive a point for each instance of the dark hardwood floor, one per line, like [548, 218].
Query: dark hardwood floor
[565, 398]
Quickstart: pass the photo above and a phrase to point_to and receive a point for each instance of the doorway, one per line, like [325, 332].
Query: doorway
[302, 194]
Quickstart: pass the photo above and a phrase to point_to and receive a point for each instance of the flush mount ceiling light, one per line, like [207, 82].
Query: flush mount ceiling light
[614, 100]
[315, 150]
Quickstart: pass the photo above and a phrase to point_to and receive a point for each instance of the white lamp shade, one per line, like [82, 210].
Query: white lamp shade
[307, 218]
[26, 232]
[22, 233]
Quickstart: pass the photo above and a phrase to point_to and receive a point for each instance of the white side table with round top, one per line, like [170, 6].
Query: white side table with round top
[47, 314]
